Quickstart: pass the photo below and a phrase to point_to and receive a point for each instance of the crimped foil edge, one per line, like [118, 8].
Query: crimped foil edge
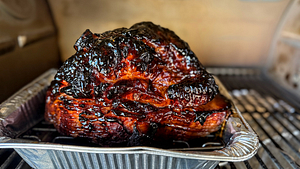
[238, 141]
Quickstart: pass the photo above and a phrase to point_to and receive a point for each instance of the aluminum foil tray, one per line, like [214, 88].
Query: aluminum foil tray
[25, 109]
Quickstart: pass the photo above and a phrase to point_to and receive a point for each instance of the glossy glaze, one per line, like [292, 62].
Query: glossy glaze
[134, 85]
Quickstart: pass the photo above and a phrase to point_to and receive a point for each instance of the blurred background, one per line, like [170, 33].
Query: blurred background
[37, 35]
[229, 32]
[252, 46]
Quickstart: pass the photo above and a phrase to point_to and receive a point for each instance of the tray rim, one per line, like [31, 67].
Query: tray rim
[125, 150]
[216, 155]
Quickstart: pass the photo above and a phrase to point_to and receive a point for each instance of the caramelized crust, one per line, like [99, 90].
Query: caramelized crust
[134, 86]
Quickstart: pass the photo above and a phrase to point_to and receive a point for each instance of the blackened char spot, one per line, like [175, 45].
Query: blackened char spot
[128, 108]
[204, 89]
[201, 117]
[144, 47]
[137, 107]
[152, 130]
[144, 55]
[91, 127]
[85, 41]
[123, 86]
[54, 87]
[117, 89]
[77, 73]
[139, 139]
[98, 90]
[82, 118]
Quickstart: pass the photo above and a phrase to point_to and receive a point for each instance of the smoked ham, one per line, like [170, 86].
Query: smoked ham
[134, 86]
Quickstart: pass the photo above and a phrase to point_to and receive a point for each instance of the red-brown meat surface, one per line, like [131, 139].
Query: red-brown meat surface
[132, 85]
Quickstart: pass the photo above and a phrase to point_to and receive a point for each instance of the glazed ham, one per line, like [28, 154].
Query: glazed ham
[135, 86]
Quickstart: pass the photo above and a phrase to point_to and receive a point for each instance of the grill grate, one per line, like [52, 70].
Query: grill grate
[274, 119]
[10, 159]
[265, 106]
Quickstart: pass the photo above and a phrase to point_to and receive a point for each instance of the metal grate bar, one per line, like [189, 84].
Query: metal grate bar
[277, 110]
[275, 161]
[272, 140]
[288, 119]
[273, 115]
[44, 129]
[261, 109]
[262, 164]
[282, 137]
[278, 121]
[288, 158]
[232, 165]
[9, 160]
[287, 112]
[247, 165]
[22, 165]
[262, 105]
[262, 87]
[270, 89]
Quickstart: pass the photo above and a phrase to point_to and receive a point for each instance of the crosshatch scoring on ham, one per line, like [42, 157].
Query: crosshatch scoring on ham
[135, 86]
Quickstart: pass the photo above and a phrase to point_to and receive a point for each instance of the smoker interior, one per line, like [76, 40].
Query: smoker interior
[270, 110]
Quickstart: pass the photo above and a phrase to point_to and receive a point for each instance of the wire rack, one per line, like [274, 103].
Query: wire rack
[270, 110]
